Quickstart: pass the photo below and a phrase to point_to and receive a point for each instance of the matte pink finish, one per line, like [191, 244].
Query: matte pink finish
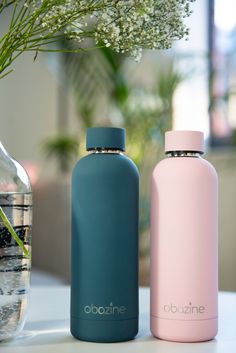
[181, 140]
[184, 249]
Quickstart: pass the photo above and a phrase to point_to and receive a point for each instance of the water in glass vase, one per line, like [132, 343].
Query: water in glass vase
[14, 264]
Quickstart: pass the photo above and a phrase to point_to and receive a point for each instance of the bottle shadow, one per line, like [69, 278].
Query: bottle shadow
[56, 332]
[41, 333]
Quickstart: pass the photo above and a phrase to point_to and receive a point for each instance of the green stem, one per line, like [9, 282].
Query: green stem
[5, 5]
[8, 225]
[7, 73]
[62, 50]
[25, 32]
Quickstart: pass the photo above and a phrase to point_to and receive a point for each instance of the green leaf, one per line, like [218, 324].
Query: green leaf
[8, 225]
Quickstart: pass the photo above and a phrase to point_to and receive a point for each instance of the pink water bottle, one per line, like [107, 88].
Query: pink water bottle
[184, 265]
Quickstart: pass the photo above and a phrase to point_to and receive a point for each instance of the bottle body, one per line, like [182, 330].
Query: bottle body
[184, 248]
[104, 284]
[15, 264]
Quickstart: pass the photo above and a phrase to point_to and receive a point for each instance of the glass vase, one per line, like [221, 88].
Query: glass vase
[15, 244]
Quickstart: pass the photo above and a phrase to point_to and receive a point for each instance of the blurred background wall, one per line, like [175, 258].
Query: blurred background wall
[46, 106]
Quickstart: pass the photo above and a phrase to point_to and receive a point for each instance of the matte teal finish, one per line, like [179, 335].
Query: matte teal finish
[103, 137]
[104, 286]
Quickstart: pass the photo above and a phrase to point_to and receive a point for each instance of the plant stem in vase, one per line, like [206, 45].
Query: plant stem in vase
[15, 244]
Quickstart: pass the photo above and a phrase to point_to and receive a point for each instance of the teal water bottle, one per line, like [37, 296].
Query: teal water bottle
[104, 249]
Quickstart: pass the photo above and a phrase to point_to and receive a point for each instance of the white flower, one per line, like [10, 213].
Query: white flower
[132, 25]
[126, 26]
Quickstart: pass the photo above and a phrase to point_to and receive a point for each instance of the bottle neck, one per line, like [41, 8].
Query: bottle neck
[105, 150]
[184, 154]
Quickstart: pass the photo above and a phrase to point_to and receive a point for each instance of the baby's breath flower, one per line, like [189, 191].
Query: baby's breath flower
[129, 26]
[126, 26]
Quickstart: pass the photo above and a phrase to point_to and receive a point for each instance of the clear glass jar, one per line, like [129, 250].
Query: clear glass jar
[15, 244]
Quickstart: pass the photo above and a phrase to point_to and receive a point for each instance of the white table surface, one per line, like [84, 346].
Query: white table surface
[47, 329]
